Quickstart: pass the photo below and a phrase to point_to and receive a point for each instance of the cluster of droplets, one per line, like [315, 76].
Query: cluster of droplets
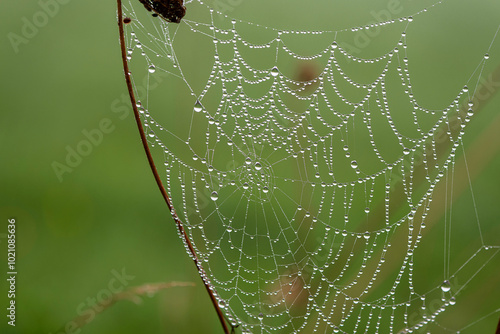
[267, 295]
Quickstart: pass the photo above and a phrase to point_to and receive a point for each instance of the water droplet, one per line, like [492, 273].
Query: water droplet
[265, 190]
[446, 286]
[248, 161]
[258, 166]
[245, 186]
[354, 164]
[274, 71]
[195, 157]
[406, 151]
[152, 69]
[453, 301]
[261, 316]
[197, 106]
[214, 196]
[486, 56]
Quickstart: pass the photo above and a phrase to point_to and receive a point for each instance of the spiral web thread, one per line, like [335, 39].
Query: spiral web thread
[278, 179]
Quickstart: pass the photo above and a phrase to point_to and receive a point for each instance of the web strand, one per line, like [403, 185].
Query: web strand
[305, 193]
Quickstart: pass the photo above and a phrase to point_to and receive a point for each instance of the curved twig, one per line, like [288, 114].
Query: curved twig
[177, 220]
[134, 294]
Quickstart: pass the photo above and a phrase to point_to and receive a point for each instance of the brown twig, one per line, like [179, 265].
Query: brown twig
[162, 189]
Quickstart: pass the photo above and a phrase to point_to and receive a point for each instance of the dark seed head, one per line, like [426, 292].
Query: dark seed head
[169, 10]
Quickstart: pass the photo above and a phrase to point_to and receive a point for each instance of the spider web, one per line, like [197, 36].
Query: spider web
[305, 173]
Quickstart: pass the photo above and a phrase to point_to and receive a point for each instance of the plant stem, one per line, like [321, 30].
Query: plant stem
[177, 220]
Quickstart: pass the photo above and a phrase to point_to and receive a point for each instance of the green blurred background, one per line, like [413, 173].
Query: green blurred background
[107, 215]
